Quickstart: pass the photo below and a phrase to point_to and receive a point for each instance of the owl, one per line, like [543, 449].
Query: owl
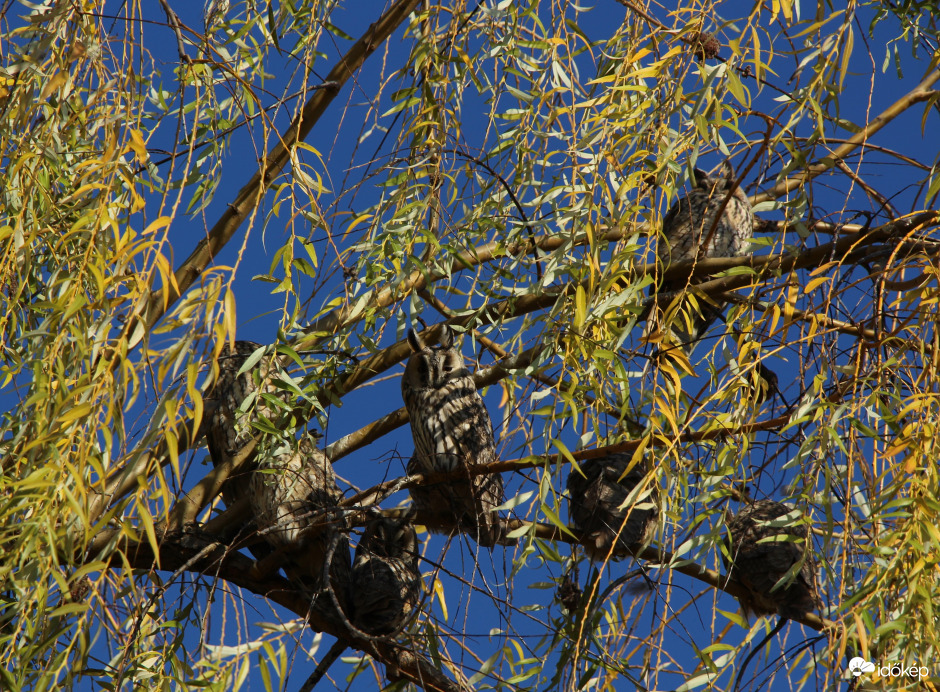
[235, 400]
[227, 427]
[290, 490]
[763, 547]
[688, 235]
[289, 486]
[385, 586]
[599, 504]
[451, 430]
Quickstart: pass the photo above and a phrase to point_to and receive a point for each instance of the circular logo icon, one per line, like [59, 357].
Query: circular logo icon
[859, 665]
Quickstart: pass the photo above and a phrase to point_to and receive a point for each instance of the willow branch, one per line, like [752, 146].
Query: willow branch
[842, 248]
[849, 249]
[272, 164]
[341, 318]
[178, 552]
[922, 92]
[238, 569]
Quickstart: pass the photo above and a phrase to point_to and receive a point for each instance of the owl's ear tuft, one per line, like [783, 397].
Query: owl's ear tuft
[415, 341]
[727, 171]
[447, 336]
[702, 179]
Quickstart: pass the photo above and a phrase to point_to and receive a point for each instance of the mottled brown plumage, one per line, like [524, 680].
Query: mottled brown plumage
[385, 587]
[229, 429]
[291, 490]
[451, 430]
[764, 545]
[290, 486]
[691, 233]
[601, 503]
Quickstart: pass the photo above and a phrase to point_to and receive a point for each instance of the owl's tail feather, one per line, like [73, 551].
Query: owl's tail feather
[321, 570]
[490, 531]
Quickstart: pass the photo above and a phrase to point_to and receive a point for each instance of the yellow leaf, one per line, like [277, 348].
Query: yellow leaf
[58, 79]
[560, 446]
[793, 294]
[360, 219]
[775, 315]
[79, 411]
[815, 283]
[862, 638]
[138, 146]
[147, 521]
[846, 54]
[69, 609]
[307, 147]
[157, 224]
[580, 306]
[755, 36]
[228, 312]
[932, 530]
[439, 594]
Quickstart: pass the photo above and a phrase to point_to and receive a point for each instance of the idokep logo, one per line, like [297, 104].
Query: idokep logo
[859, 665]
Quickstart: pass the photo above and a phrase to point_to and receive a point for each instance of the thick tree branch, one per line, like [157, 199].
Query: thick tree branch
[848, 250]
[184, 551]
[380, 362]
[251, 194]
[464, 261]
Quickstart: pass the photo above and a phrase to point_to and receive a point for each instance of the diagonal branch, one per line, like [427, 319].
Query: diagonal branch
[922, 92]
[182, 552]
[849, 249]
[340, 318]
[251, 194]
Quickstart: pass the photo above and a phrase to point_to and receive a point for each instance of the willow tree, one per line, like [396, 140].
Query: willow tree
[296, 175]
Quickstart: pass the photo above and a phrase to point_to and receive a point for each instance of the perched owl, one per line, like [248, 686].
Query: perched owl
[762, 549]
[599, 504]
[385, 586]
[688, 235]
[289, 487]
[228, 430]
[451, 430]
[292, 489]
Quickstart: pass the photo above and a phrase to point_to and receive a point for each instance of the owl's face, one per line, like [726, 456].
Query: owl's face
[718, 181]
[386, 537]
[231, 361]
[432, 367]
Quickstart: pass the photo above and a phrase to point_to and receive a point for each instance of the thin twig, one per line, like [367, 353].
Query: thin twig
[174, 21]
